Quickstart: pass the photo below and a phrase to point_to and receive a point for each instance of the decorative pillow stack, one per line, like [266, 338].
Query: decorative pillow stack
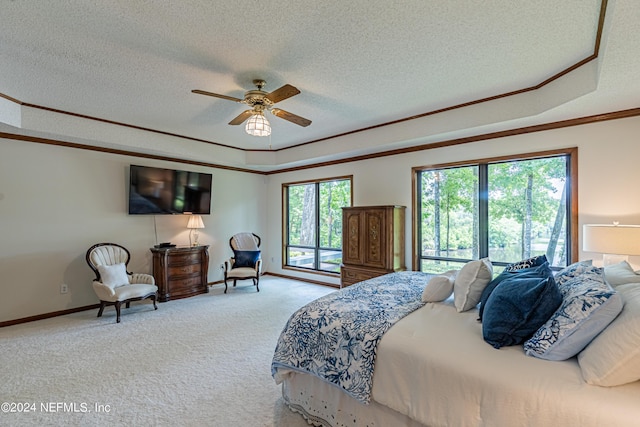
[589, 304]
[519, 304]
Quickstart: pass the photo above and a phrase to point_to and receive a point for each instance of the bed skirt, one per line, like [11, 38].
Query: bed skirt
[322, 404]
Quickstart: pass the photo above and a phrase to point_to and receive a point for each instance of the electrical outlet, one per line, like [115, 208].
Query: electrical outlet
[221, 266]
[64, 288]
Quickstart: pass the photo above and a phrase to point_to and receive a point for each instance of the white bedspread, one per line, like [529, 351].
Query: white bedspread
[434, 366]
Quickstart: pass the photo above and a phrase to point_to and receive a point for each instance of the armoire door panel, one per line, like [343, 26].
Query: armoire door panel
[374, 226]
[353, 239]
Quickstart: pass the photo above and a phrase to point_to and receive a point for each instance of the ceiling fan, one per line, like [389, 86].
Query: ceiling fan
[259, 101]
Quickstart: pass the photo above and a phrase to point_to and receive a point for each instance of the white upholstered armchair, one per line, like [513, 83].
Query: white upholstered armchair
[113, 284]
[245, 262]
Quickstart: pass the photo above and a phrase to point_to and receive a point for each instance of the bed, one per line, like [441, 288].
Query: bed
[433, 367]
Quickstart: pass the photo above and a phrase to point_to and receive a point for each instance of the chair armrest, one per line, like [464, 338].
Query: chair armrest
[259, 266]
[142, 278]
[228, 264]
[104, 292]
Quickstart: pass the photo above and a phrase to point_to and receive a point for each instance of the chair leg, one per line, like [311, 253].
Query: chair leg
[153, 298]
[128, 304]
[234, 283]
[118, 304]
[102, 304]
[255, 282]
[225, 283]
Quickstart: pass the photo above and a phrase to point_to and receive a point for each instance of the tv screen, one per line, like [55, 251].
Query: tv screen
[157, 191]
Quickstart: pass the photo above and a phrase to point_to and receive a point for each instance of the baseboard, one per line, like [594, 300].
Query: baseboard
[315, 282]
[48, 315]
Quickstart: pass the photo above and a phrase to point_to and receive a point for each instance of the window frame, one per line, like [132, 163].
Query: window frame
[571, 206]
[285, 224]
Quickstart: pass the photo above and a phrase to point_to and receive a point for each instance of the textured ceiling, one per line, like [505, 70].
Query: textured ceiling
[357, 63]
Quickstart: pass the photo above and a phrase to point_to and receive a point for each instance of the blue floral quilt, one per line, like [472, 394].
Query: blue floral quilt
[336, 336]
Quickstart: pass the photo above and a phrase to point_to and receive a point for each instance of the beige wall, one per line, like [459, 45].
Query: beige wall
[608, 154]
[55, 202]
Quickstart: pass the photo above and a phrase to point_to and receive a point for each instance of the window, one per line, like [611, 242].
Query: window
[504, 209]
[313, 223]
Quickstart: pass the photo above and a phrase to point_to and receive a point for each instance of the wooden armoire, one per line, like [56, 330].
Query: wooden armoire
[372, 242]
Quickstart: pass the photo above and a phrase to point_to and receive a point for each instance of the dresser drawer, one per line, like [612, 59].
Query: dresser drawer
[184, 259]
[185, 270]
[357, 276]
[185, 283]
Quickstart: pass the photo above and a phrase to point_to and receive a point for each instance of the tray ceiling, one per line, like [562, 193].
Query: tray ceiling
[358, 64]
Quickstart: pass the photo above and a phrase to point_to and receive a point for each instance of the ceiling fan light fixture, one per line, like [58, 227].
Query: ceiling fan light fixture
[258, 125]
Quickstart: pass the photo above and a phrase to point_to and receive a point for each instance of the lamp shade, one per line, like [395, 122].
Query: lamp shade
[195, 221]
[611, 239]
[258, 125]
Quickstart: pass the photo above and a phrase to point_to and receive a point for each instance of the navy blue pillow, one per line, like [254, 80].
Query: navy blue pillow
[245, 258]
[517, 308]
[541, 271]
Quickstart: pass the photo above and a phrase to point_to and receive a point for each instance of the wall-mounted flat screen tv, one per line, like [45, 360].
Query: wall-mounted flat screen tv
[156, 191]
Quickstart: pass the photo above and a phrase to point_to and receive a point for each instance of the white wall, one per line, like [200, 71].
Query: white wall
[608, 175]
[55, 202]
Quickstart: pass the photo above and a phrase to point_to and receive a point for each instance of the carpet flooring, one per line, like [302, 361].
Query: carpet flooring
[200, 361]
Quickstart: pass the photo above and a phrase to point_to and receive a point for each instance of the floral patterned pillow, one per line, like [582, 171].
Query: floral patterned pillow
[572, 271]
[589, 304]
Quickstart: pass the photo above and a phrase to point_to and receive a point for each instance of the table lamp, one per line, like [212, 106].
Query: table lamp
[616, 242]
[195, 222]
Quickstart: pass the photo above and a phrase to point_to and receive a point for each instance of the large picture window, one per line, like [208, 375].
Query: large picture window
[504, 209]
[313, 223]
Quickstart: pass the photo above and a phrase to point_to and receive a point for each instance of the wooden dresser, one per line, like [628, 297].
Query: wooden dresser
[372, 242]
[180, 272]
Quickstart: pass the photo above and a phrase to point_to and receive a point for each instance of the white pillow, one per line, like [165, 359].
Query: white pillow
[470, 282]
[113, 275]
[613, 357]
[439, 287]
[620, 274]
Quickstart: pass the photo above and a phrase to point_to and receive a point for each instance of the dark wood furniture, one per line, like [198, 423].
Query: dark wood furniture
[372, 242]
[180, 272]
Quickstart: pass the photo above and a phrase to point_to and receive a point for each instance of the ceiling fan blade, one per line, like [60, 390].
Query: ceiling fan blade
[216, 95]
[286, 91]
[301, 121]
[241, 117]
